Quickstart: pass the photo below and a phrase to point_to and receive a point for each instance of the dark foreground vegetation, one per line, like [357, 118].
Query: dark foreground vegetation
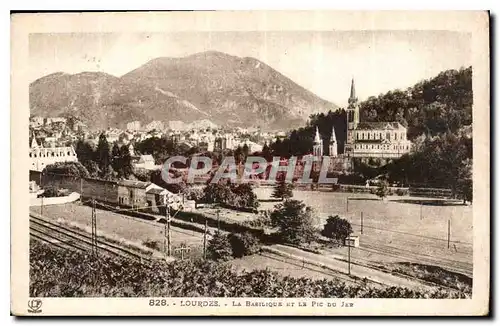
[56, 272]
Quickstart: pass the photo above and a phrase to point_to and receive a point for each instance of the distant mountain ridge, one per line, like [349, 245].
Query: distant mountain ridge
[223, 89]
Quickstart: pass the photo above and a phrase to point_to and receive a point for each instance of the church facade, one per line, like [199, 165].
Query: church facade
[380, 140]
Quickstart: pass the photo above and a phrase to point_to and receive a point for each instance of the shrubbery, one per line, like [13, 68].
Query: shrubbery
[56, 272]
[219, 248]
[243, 244]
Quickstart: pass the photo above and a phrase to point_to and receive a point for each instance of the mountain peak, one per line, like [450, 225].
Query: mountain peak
[230, 90]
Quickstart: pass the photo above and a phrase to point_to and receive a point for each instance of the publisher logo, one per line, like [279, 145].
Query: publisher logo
[35, 305]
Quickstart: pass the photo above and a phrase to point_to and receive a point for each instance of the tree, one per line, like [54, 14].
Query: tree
[382, 189]
[102, 156]
[283, 190]
[294, 221]
[219, 247]
[243, 244]
[465, 181]
[125, 162]
[116, 162]
[337, 228]
[84, 152]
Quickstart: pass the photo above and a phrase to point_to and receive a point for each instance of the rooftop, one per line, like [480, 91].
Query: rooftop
[394, 125]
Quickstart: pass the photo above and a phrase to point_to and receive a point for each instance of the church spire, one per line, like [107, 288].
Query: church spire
[317, 138]
[333, 138]
[353, 92]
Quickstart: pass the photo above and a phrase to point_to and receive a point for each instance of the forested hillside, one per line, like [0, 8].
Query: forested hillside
[432, 107]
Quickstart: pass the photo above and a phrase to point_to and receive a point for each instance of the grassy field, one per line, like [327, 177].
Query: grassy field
[394, 231]
[428, 220]
[129, 228]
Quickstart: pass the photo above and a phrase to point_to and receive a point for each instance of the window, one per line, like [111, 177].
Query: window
[388, 135]
[31, 155]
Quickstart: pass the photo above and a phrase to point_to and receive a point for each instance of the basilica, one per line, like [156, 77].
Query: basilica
[381, 140]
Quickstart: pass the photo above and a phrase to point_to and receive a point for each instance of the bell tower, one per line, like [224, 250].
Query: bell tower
[352, 109]
[352, 119]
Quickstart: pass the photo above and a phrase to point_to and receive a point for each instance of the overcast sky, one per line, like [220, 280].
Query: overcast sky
[323, 62]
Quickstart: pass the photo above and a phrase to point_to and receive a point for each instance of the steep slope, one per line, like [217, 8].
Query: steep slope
[223, 89]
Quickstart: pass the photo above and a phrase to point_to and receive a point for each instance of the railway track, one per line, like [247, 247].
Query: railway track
[407, 255]
[67, 238]
[307, 266]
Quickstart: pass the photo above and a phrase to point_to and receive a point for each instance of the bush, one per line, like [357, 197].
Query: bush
[383, 189]
[402, 192]
[337, 228]
[219, 247]
[51, 191]
[243, 244]
[152, 244]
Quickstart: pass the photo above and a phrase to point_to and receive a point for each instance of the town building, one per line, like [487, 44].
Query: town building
[40, 156]
[155, 125]
[146, 162]
[379, 140]
[134, 126]
[226, 141]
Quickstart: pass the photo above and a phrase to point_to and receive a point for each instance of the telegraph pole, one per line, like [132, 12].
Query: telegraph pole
[448, 234]
[361, 222]
[94, 229]
[168, 230]
[81, 190]
[205, 239]
[218, 220]
[349, 256]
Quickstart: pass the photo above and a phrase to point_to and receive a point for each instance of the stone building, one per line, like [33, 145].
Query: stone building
[380, 140]
[40, 156]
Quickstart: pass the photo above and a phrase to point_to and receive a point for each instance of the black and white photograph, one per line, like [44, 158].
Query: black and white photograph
[225, 171]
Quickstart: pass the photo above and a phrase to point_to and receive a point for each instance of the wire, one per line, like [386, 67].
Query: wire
[412, 234]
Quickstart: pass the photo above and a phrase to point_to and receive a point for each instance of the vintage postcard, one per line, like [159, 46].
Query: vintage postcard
[250, 163]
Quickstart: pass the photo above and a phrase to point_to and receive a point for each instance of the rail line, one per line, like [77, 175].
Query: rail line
[402, 254]
[296, 262]
[70, 239]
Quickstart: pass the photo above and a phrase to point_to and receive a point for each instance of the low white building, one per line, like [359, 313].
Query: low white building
[40, 156]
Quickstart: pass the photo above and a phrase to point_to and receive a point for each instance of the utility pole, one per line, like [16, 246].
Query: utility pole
[448, 234]
[421, 210]
[168, 230]
[205, 239]
[347, 205]
[361, 222]
[94, 229]
[349, 256]
[81, 190]
[218, 220]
